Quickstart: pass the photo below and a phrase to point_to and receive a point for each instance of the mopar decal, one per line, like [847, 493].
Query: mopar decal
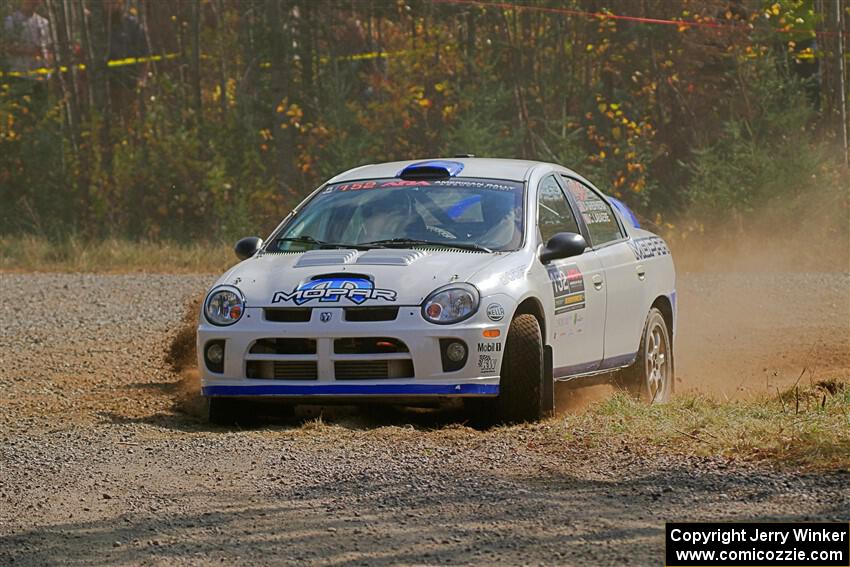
[354, 289]
[649, 247]
[567, 287]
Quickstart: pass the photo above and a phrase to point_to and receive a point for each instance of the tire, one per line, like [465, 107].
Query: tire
[229, 412]
[521, 388]
[651, 378]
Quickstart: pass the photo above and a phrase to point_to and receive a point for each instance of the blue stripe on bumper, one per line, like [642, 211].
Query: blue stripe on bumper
[352, 390]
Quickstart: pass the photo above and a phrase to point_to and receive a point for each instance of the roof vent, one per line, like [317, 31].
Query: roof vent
[434, 169]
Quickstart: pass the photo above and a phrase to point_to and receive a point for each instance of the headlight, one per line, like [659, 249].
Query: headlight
[451, 304]
[224, 306]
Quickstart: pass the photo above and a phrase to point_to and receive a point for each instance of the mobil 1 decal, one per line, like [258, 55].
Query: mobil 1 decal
[567, 287]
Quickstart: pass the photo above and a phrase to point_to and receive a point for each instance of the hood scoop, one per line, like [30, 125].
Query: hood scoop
[374, 257]
[325, 258]
[381, 257]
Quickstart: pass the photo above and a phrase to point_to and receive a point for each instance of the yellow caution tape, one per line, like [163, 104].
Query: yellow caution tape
[153, 58]
[82, 66]
[265, 65]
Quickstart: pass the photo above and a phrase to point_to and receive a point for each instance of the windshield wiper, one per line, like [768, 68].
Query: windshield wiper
[307, 239]
[417, 242]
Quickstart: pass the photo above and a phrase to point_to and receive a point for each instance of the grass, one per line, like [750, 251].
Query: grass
[806, 427]
[35, 254]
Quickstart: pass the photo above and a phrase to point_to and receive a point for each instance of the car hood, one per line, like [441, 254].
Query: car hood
[347, 278]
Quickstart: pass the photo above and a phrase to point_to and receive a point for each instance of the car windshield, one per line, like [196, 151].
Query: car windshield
[467, 213]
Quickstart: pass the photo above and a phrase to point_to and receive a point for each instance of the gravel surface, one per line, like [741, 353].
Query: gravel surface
[98, 465]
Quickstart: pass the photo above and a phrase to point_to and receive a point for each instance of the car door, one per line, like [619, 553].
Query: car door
[625, 277]
[579, 297]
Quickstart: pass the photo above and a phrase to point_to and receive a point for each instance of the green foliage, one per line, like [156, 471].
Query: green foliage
[474, 131]
[766, 150]
[675, 121]
[31, 162]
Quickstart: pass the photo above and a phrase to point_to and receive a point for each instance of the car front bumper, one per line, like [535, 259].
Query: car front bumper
[478, 377]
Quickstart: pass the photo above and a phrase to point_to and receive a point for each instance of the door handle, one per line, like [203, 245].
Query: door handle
[641, 272]
[597, 281]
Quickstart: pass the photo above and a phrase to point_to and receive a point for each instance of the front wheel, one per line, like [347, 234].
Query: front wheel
[521, 387]
[651, 377]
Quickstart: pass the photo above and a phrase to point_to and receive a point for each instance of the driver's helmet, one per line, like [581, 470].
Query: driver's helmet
[391, 203]
[389, 215]
[496, 206]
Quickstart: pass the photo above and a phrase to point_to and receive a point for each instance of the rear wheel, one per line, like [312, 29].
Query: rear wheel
[521, 388]
[651, 377]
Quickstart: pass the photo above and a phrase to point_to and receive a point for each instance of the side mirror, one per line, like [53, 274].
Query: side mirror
[247, 247]
[563, 245]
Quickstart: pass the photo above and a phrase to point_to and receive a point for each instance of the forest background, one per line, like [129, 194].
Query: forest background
[207, 120]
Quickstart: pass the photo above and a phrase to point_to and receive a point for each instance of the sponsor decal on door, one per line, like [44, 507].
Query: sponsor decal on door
[567, 287]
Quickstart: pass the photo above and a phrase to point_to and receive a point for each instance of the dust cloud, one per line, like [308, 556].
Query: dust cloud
[181, 356]
[764, 305]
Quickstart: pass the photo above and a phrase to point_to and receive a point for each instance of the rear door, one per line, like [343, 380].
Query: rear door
[577, 290]
[625, 278]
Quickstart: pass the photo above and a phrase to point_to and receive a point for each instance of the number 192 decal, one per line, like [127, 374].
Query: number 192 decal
[567, 287]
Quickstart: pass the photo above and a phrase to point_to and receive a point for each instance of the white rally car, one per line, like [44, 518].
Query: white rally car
[485, 279]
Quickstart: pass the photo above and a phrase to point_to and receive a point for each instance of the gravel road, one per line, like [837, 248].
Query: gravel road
[99, 466]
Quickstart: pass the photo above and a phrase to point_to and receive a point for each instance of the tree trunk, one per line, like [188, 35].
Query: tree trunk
[195, 61]
[98, 56]
[279, 35]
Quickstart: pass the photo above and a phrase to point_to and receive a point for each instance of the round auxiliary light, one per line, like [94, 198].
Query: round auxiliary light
[456, 352]
[215, 353]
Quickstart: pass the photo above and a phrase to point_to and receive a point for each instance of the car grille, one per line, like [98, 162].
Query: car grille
[284, 346]
[289, 315]
[363, 314]
[372, 369]
[283, 369]
[369, 345]
[352, 314]
[343, 358]
[295, 370]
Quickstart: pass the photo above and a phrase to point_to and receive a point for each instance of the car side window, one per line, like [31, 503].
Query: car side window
[554, 214]
[597, 214]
